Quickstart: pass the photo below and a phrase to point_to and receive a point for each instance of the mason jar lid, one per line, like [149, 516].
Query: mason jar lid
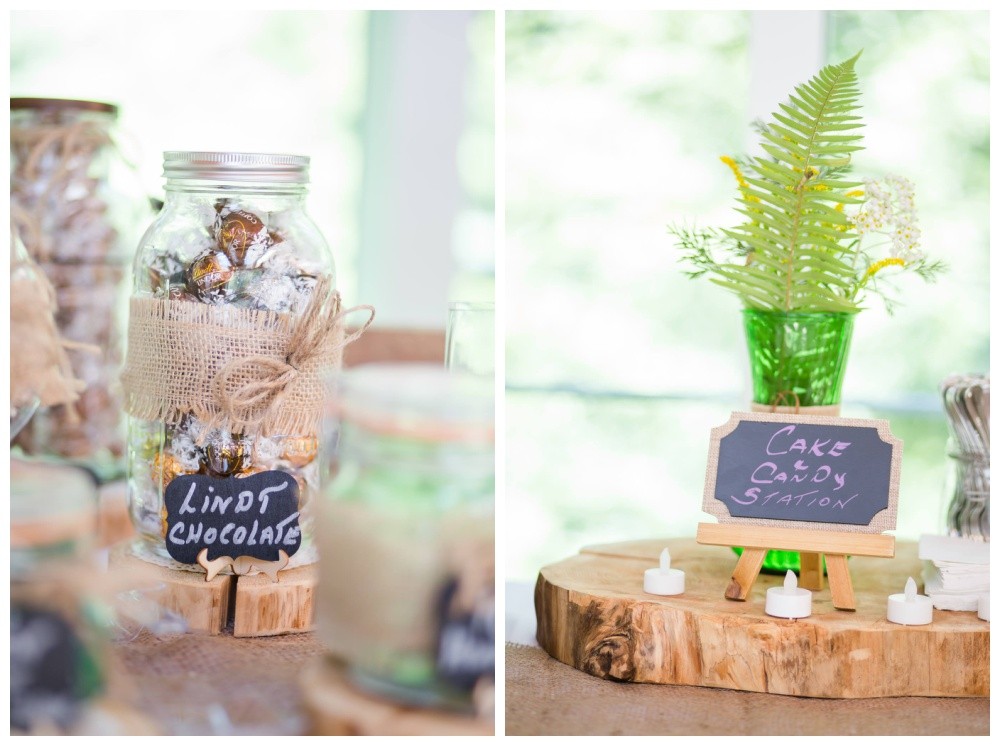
[62, 104]
[250, 167]
[424, 401]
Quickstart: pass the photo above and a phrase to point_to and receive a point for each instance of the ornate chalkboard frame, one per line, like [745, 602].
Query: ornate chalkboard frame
[884, 520]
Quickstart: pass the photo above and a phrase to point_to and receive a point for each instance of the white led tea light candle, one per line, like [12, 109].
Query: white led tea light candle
[910, 608]
[663, 580]
[788, 601]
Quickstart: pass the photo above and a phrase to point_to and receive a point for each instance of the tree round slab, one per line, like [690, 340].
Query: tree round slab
[593, 615]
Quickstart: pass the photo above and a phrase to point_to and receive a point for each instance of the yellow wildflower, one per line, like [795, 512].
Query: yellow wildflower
[735, 168]
[892, 261]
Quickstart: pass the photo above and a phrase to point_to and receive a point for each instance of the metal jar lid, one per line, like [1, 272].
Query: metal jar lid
[61, 104]
[250, 167]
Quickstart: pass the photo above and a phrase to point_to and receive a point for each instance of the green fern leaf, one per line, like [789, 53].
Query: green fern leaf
[801, 247]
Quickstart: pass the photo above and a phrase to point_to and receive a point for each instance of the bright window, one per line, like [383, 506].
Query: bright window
[354, 90]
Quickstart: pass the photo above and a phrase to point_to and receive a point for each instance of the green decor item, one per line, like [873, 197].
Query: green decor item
[800, 247]
[803, 259]
[778, 561]
[797, 358]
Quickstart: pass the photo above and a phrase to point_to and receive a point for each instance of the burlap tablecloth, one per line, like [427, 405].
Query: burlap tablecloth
[546, 697]
[193, 684]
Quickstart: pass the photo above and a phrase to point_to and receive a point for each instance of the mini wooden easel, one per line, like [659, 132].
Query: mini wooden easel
[812, 544]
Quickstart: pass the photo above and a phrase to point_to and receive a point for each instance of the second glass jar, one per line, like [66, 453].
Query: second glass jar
[406, 536]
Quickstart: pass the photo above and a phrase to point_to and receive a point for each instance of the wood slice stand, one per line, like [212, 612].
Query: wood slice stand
[593, 615]
[337, 708]
[256, 606]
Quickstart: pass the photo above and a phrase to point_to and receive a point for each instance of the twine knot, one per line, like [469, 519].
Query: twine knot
[266, 380]
[781, 397]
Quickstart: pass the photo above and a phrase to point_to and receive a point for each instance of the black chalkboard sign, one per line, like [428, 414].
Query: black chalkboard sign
[810, 471]
[45, 656]
[254, 516]
[466, 642]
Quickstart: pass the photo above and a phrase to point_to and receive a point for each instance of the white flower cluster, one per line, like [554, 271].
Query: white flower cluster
[889, 209]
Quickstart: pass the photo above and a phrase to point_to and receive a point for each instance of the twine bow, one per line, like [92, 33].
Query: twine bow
[251, 404]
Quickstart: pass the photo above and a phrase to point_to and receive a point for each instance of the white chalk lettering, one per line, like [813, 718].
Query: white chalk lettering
[221, 505]
[210, 533]
[252, 541]
[266, 493]
[243, 507]
[186, 506]
[239, 535]
[177, 528]
[222, 534]
[267, 536]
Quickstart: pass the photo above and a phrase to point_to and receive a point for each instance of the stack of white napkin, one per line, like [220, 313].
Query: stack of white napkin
[956, 571]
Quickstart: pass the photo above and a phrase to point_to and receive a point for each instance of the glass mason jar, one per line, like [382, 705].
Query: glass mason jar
[233, 233]
[77, 205]
[406, 535]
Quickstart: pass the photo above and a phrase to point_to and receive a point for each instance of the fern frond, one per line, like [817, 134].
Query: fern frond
[801, 245]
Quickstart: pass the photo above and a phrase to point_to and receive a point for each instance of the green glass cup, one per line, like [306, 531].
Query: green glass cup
[797, 357]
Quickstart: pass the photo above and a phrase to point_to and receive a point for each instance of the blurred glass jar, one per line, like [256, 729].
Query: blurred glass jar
[77, 204]
[58, 653]
[26, 284]
[233, 232]
[53, 514]
[58, 658]
[406, 534]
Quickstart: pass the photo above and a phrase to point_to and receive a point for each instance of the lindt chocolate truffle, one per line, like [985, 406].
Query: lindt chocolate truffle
[239, 230]
[208, 275]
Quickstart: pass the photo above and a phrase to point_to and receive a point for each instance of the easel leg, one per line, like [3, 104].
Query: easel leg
[745, 573]
[811, 571]
[840, 582]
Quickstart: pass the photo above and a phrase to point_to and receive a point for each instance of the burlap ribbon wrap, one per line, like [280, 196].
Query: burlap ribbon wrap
[252, 372]
[39, 366]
